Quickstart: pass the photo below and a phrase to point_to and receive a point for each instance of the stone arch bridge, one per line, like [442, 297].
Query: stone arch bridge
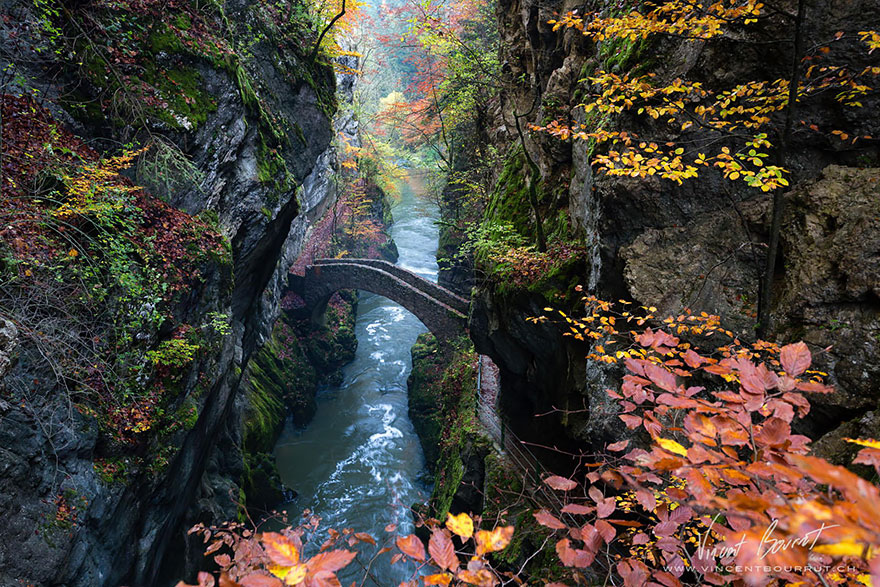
[441, 311]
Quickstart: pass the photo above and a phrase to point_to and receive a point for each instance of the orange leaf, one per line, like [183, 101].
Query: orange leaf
[281, 549]
[493, 540]
[442, 551]
[255, 580]
[412, 547]
[364, 537]
[331, 561]
[438, 579]
[481, 578]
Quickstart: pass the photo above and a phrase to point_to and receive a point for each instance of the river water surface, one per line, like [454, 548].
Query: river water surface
[359, 463]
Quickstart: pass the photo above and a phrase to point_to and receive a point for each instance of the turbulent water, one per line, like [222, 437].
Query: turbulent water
[359, 463]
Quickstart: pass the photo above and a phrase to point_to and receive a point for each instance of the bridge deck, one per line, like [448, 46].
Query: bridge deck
[436, 291]
[443, 312]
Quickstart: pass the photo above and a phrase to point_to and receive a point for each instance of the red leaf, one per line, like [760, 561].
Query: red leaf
[660, 376]
[605, 530]
[256, 580]
[560, 483]
[631, 421]
[573, 557]
[606, 507]
[412, 547]
[618, 446]
[774, 432]
[548, 520]
[693, 359]
[646, 499]
[795, 358]
[577, 509]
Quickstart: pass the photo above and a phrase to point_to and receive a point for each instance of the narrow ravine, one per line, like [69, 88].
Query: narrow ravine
[359, 463]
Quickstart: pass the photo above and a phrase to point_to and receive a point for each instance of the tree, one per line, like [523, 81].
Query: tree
[744, 130]
[714, 487]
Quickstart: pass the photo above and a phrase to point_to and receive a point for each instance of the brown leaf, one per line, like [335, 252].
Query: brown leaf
[412, 547]
[442, 551]
[560, 483]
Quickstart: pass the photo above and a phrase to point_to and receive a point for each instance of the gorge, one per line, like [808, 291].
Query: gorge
[636, 211]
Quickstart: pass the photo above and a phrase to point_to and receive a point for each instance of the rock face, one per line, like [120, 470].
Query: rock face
[827, 289]
[133, 531]
[699, 245]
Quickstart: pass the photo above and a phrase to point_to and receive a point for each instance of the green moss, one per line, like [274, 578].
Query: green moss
[509, 202]
[446, 486]
[299, 134]
[272, 170]
[266, 412]
[443, 402]
[183, 22]
[185, 96]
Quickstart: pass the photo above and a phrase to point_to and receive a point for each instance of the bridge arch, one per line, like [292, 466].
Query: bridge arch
[441, 311]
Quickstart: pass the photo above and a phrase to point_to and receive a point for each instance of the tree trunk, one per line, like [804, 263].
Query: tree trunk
[765, 295]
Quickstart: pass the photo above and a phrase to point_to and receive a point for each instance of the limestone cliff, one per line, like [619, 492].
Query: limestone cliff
[699, 245]
[239, 125]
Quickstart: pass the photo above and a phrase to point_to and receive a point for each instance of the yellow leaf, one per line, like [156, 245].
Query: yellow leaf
[493, 540]
[462, 525]
[672, 446]
[842, 549]
[869, 442]
[290, 575]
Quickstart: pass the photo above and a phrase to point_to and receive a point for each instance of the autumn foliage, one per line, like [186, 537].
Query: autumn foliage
[272, 559]
[723, 491]
[711, 486]
[736, 128]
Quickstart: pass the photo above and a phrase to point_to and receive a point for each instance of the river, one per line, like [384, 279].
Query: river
[359, 463]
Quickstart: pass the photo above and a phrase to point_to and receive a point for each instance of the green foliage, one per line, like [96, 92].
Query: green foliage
[443, 387]
[218, 322]
[176, 352]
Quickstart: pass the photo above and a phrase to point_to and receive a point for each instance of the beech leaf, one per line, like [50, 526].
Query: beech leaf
[412, 547]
